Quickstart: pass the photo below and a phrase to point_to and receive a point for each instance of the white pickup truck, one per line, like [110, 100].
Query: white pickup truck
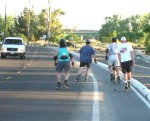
[13, 46]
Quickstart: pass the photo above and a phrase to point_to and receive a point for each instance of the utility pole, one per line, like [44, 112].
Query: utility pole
[49, 20]
[15, 32]
[29, 23]
[5, 20]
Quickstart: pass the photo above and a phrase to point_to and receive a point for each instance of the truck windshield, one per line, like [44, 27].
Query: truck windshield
[13, 41]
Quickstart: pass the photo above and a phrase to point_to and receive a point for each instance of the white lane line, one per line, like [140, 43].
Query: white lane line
[18, 72]
[143, 67]
[141, 97]
[8, 77]
[25, 67]
[32, 59]
[95, 116]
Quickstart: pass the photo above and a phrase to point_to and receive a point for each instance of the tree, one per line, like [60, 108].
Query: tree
[22, 22]
[10, 28]
[1, 27]
[110, 28]
[38, 24]
[116, 26]
[42, 23]
[56, 27]
[135, 23]
[146, 28]
[73, 37]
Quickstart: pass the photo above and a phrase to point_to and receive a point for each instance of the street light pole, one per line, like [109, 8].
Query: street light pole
[49, 19]
[5, 20]
[29, 23]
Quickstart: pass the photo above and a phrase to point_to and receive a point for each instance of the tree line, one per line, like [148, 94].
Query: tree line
[18, 26]
[135, 28]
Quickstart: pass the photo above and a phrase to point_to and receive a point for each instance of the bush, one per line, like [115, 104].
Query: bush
[71, 44]
[23, 37]
[147, 50]
[147, 44]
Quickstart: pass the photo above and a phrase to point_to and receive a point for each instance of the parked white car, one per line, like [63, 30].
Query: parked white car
[13, 46]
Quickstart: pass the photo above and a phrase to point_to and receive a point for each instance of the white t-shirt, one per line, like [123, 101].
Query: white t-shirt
[124, 50]
[113, 49]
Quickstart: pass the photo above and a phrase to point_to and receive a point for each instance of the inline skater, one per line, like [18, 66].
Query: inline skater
[62, 62]
[113, 60]
[126, 57]
[87, 52]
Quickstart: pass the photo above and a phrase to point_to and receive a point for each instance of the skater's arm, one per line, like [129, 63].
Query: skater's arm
[94, 57]
[132, 57]
[106, 56]
[71, 56]
[55, 58]
[119, 56]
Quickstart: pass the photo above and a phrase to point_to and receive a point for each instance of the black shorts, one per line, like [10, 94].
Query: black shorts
[83, 64]
[126, 66]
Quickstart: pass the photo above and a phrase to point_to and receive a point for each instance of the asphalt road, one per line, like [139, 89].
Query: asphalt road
[27, 93]
[141, 71]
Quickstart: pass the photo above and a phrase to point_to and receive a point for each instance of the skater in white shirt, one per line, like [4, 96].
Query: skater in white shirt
[113, 60]
[126, 57]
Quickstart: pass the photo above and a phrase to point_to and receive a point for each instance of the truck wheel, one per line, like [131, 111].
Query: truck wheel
[22, 57]
[3, 56]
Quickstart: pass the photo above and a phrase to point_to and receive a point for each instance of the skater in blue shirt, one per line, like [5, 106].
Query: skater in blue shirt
[86, 54]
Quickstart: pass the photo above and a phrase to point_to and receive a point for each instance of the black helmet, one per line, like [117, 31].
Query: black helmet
[114, 39]
[62, 43]
[88, 41]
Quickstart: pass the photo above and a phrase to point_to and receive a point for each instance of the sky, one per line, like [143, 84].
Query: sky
[81, 14]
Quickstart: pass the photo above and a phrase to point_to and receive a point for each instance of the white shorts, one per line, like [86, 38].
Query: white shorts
[113, 59]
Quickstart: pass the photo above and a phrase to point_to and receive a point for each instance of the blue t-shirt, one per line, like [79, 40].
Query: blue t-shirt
[86, 53]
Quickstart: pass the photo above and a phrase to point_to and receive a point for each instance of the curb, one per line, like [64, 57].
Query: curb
[141, 88]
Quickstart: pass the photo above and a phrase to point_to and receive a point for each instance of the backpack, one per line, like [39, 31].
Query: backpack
[63, 54]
